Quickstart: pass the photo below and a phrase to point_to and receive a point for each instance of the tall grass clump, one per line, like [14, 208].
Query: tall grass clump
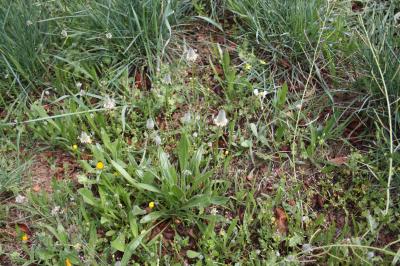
[24, 44]
[122, 33]
[379, 48]
[288, 32]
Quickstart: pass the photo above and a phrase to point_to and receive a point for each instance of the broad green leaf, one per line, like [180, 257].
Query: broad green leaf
[151, 188]
[131, 248]
[183, 152]
[124, 173]
[119, 242]
[281, 96]
[136, 210]
[88, 196]
[151, 217]
[192, 254]
[253, 128]
[212, 22]
[198, 201]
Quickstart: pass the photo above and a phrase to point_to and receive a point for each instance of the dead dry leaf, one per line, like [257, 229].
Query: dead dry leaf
[281, 220]
[339, 160]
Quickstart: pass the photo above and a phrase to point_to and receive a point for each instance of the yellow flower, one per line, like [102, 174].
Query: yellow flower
[68, 262]
[25, 237]
[152, 205]
[247, 66]
[74, 147]
[100, 166]
[226, 153]
[262, 62]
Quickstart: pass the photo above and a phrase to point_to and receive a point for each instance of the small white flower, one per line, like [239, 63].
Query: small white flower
[291, 258]
[108, 35]
[370, 255]
[82, 93]
[258, 252]
[47, 93]
[255, 91]
[109, 103]
[20, 199]
[78, 85]
[64, 33]
[6, 76]
[157, 140]
[299, 106]
[221, 119]
[28, 23]
[167, 80]
[85, 138]
[187, 117]
[209, 144]
[191, 55]
[195, 134]
[214, 211]
[187, 172]
[150, 124]
[277, 254]
[55, 210]
[305, 219]
[307, 248]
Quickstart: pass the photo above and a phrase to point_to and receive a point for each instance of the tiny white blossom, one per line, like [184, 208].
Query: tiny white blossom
[187, 117]
[78, 85]
[195, 134]
[108, 35]
[28, 23]
[214, 211]
[221, 119]
[55, 210]
[157, 140]
[82, 93]
[85, 138]
[64, 33]
[6, 76]
[307, 248]
[255, 91]
[191, 55]
[47, 93]
[20, 199]
[370, 255]
[109, 103]
[167, 79]
[150, 124]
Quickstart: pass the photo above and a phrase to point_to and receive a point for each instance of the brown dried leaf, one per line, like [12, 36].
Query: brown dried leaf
[339, 160]
[36, 188]
[281, 220]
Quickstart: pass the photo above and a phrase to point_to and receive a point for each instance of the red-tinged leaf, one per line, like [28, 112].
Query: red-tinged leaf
[24, 228]
[339, 160]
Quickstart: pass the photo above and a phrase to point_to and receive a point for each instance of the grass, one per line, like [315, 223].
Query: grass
[274, 141]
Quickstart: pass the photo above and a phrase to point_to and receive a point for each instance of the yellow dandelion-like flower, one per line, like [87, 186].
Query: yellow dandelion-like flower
[100, 166]
[152, 205]
[68, 262]
[25, 237]
[74, 147]
[247, 66]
